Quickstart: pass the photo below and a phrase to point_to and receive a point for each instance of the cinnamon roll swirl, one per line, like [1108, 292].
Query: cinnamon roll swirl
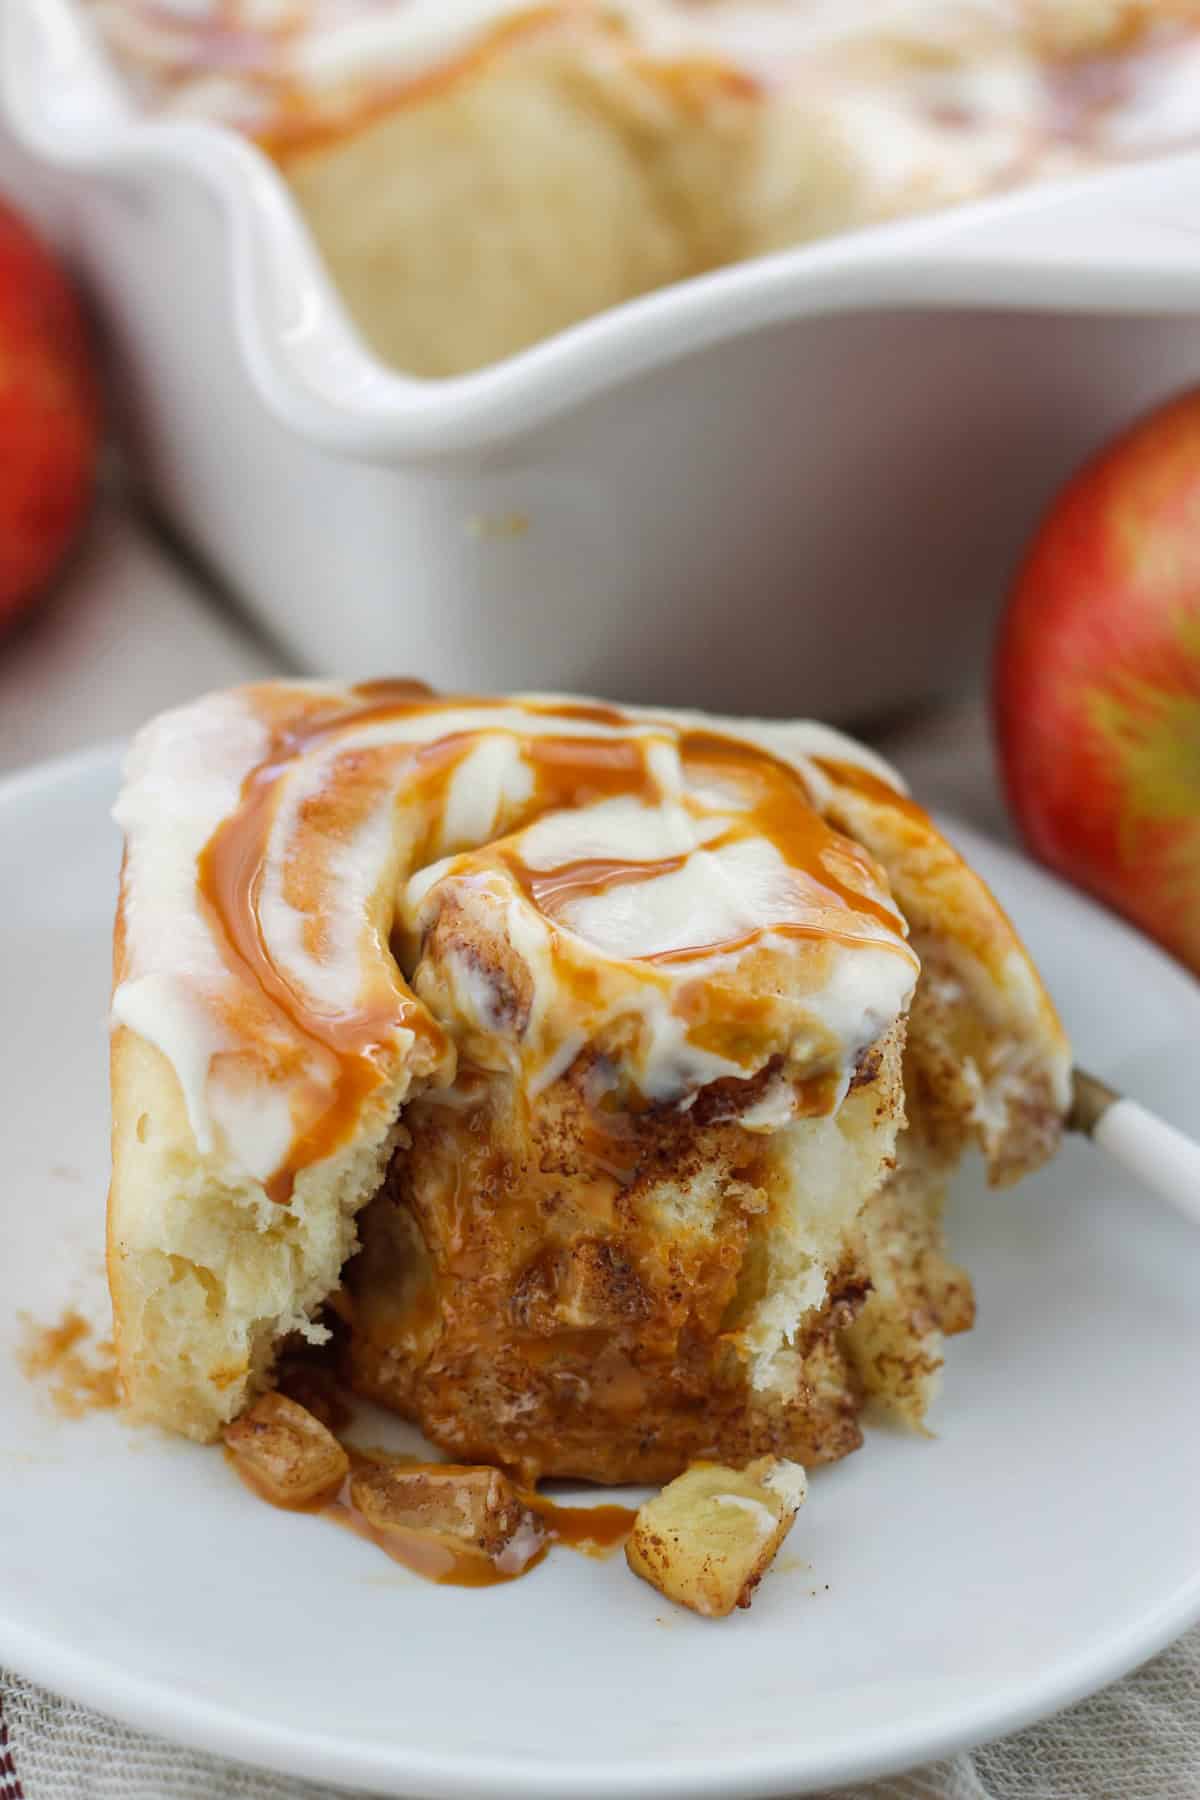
[595, 1072]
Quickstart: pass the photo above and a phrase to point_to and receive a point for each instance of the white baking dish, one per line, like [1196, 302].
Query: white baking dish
[799, 484]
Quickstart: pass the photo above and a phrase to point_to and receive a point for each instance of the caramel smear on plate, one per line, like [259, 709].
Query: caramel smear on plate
[81, 1374]
[457, 1524]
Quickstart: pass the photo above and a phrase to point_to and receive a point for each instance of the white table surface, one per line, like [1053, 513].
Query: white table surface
[126, 631]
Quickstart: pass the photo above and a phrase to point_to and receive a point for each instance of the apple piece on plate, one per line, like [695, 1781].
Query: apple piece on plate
[49, 416]
[473, 1519]
[1097, 680]
[708, 1538]
[285, 1454]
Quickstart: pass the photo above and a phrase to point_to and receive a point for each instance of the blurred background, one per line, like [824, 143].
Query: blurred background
[723, 356]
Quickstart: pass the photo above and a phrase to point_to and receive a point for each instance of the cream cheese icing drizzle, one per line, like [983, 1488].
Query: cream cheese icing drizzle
[949, 96]
[331, 894]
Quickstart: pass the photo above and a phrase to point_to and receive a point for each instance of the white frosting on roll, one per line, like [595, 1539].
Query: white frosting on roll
[657, 886]
[399, 41]
[944, 98]
[183, 776]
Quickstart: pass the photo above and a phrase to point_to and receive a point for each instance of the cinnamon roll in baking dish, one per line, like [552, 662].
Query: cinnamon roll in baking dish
[479, 174]
[596, 1072]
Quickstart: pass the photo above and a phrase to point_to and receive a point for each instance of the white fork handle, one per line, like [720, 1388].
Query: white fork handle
[1164, 1159]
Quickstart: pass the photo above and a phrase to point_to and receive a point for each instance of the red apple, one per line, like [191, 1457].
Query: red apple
[49, 416]
[1097, 680]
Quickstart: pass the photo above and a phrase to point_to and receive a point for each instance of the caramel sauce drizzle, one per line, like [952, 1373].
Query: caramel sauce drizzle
[569, 771]
[82, 1378]
[229, 876]
[299, 118]
[297, 126]
[594, 1530]
[862, 781]
[551, 890]
[1083, 87]
[783, 814]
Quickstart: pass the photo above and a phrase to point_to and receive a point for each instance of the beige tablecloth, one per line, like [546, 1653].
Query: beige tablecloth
[1140, 1740]
[130, 632]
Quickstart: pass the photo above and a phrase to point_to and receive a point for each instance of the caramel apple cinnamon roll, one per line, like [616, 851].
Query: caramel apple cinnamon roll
[602, 1069]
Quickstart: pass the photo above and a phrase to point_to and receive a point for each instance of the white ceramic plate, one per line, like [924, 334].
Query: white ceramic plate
[1046, 1540]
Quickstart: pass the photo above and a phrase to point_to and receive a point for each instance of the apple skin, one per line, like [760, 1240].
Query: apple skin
[49, 417]
[1097, 680]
